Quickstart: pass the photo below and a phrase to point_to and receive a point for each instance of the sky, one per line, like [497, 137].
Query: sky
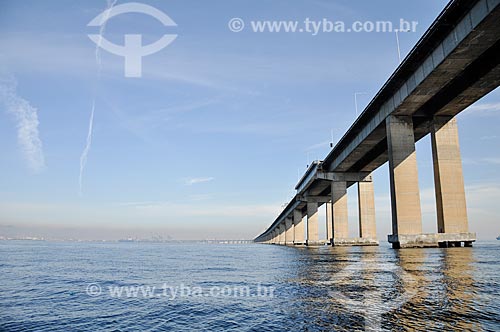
[210, 140]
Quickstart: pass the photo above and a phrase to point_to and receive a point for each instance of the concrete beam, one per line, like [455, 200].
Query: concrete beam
[346, 176]
[340, 215]
[312, 224]
[448, 177]
[314, 199]
[405, 193]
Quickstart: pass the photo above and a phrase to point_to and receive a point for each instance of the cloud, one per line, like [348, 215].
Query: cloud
[192, 181]
[27, 124]
[317, 146]
[489, 137]
[483, 109]
[266, 212]
[482, 161]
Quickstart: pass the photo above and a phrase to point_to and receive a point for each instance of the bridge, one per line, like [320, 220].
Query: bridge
[455, 63]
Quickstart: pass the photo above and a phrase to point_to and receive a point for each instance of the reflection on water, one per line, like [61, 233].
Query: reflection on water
[370, 288]
[316, 289]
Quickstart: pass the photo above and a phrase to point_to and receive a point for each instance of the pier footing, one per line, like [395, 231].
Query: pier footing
[346, 242]
[443, 240]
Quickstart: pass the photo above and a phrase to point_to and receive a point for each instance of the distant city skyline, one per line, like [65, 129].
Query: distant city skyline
[209, 142]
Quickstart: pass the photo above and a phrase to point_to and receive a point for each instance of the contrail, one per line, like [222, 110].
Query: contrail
[86, 150]
[83, 157]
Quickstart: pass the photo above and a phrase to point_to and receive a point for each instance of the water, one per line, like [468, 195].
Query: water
[45, 287]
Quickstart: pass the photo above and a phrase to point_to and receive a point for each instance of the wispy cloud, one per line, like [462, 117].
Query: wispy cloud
[192, 181]
[317, 146]
[482, 161]
[27, 124]
[483, 109]
[488, 137]
[148, 123]
[264, 211]
[86, 150]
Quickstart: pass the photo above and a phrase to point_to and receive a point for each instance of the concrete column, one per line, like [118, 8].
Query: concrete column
[289, 230]
[298, 227]
[273, 236]
[281, 234]
[285, 233]
[312, 223]
[448, 178]
[329, 223]
[405, 194]
[340, 215]
[366, 203]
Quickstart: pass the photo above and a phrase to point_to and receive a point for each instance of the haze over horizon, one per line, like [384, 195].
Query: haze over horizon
[210, 141]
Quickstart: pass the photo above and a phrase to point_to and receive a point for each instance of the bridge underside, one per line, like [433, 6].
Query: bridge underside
[456, 63]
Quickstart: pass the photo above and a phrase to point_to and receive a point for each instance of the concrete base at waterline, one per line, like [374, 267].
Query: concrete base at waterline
[432, 240]
[314, 243]
[346, 242]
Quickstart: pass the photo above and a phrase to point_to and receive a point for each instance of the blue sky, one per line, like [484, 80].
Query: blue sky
[210, 140]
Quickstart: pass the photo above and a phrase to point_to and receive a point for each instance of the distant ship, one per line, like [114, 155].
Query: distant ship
[498, 237]
[127, 240]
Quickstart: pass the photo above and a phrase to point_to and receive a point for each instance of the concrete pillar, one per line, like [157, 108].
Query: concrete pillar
[329, 223]
[448, 178]
[340, 215]
[298, 227]
[281, 229]
[273, 236]
[285, 240]
[366, 204]
[289, 230]
[405, 194]
[312, 223]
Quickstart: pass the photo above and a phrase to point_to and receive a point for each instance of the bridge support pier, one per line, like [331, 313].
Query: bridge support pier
[289, 231]
[340, 226]
[449, 183]
[312, 224]
[281, 230]
[366, 205]
[340, 214]
[298, 229]
[405, 193]
[329, 223]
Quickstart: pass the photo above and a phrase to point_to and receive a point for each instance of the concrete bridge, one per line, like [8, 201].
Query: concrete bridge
[453, 65]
